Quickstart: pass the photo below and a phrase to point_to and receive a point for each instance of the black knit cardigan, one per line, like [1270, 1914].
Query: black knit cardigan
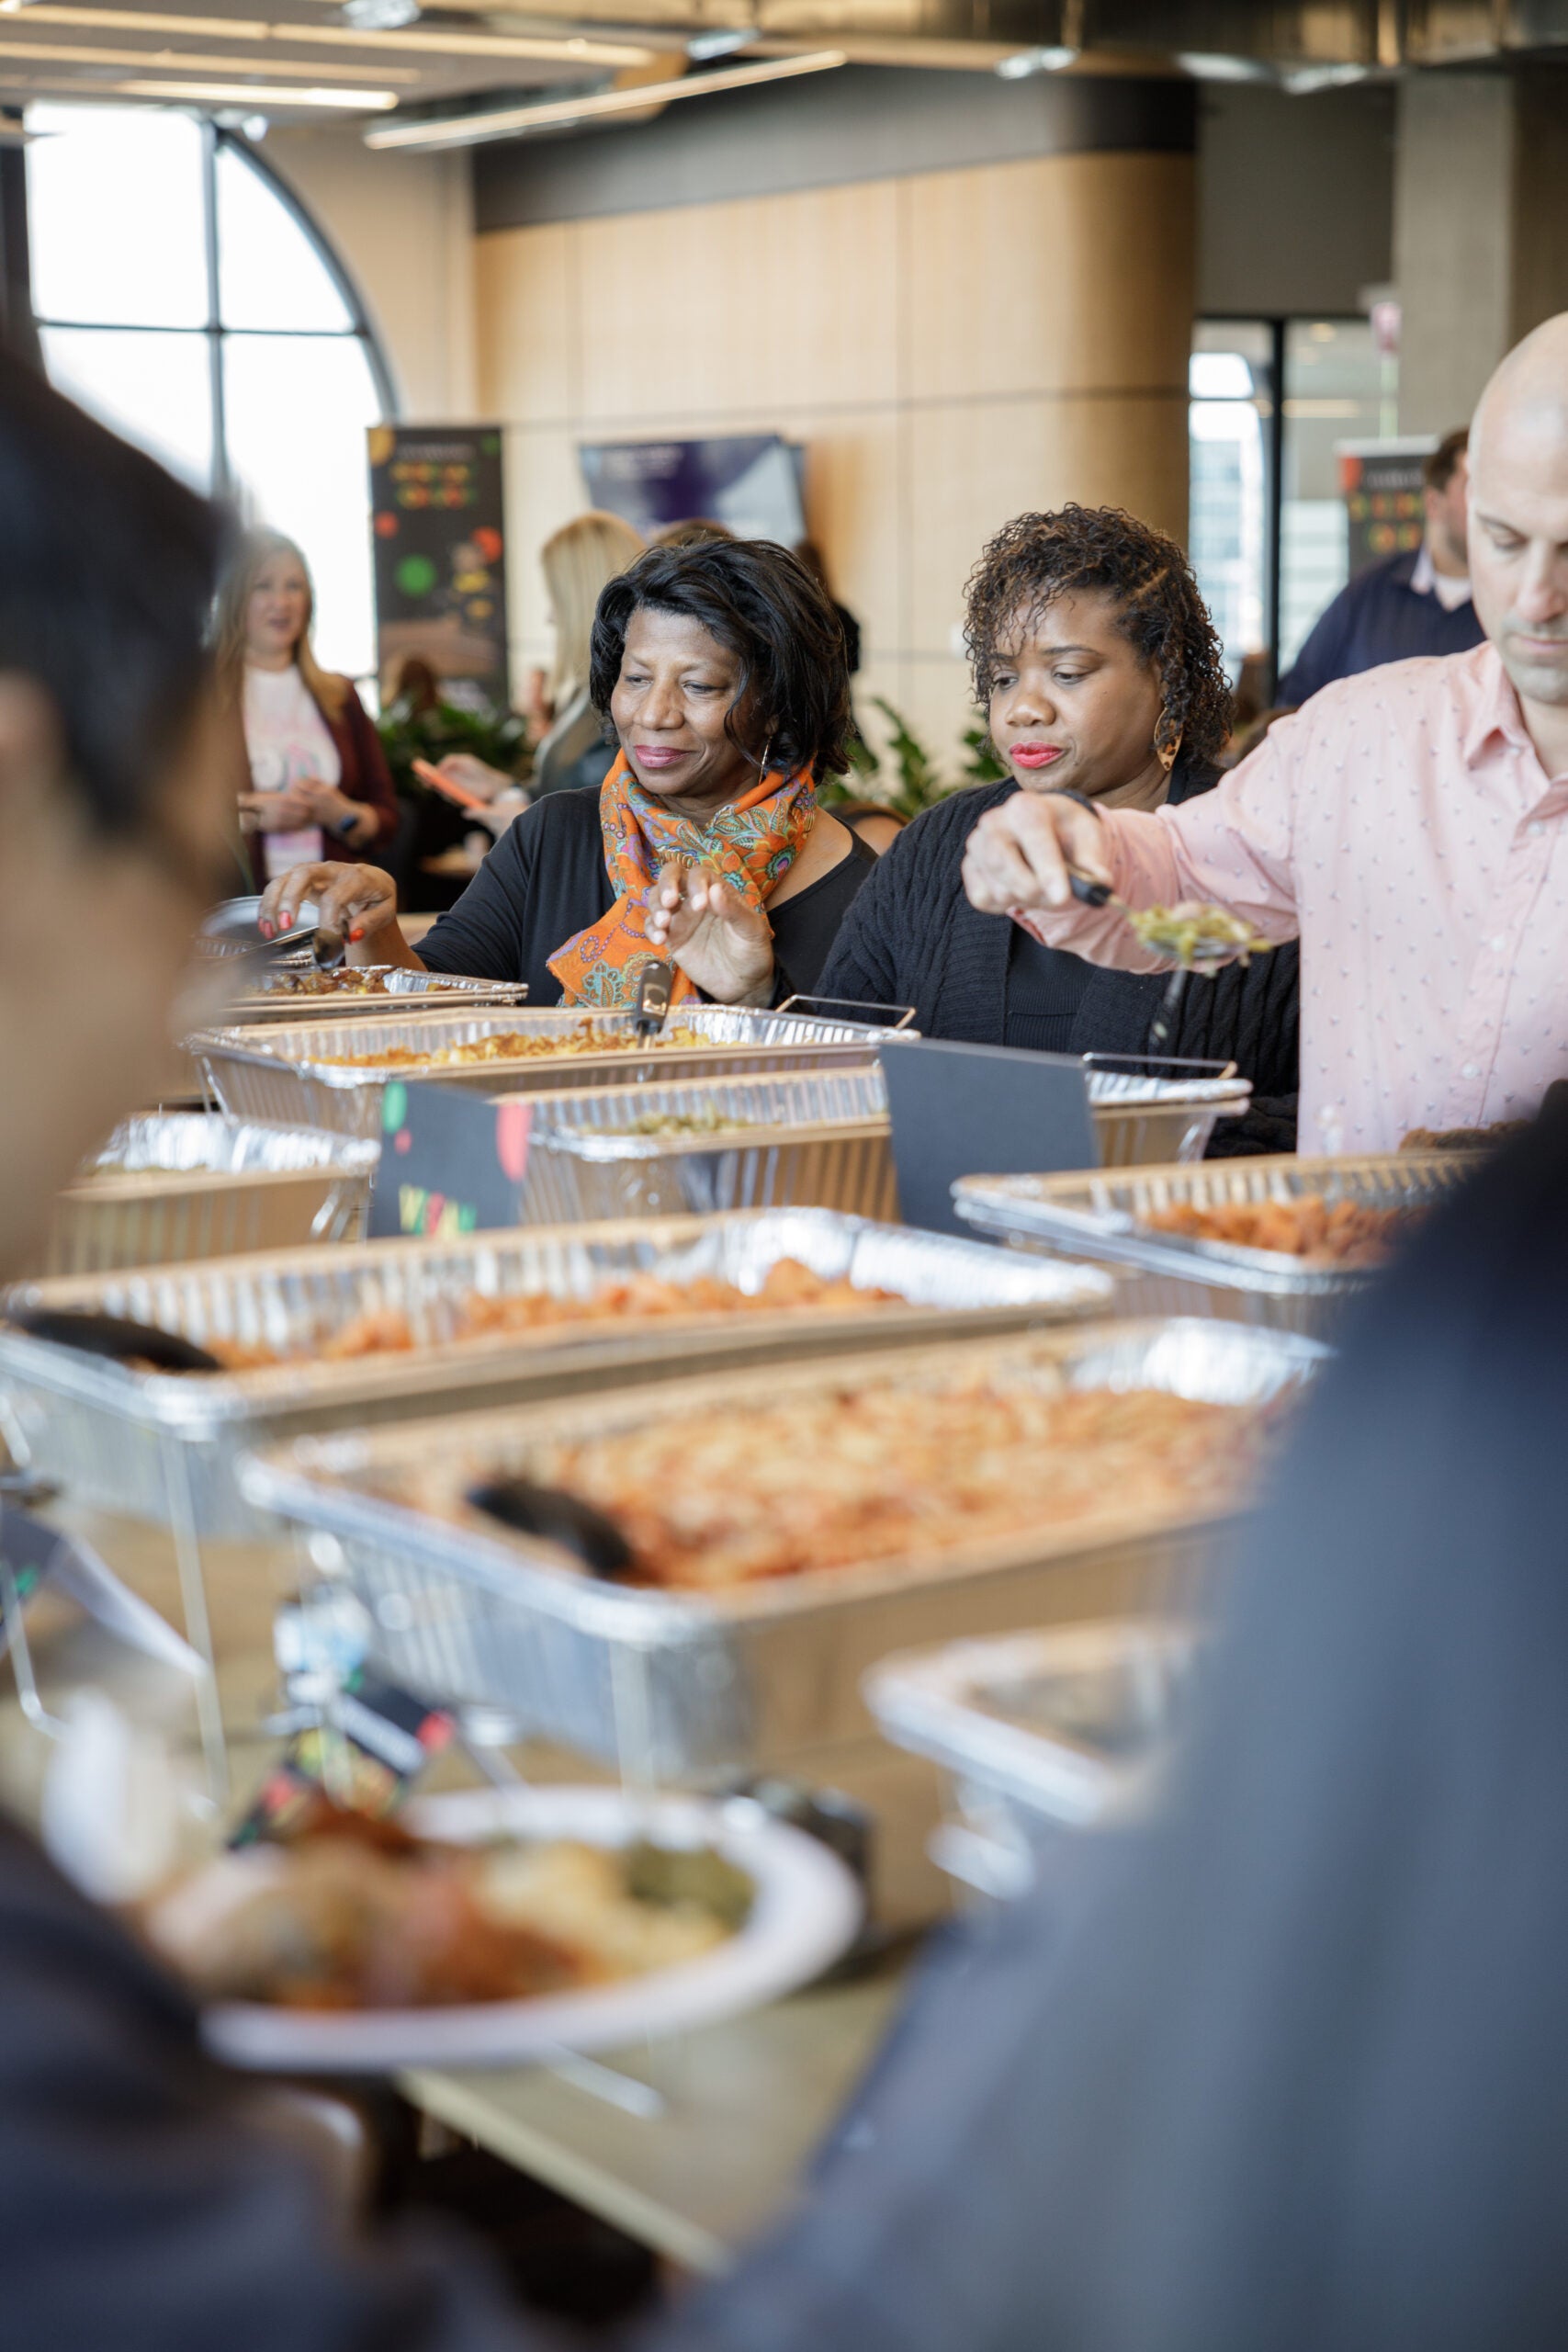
[912, 937]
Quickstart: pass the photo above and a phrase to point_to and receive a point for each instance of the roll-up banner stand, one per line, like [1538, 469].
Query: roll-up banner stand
[1381, 483]
[438, 533]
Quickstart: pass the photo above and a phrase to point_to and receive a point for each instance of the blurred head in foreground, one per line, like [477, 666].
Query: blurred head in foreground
[118, 780]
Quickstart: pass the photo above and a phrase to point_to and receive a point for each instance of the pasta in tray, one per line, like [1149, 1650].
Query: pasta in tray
[843, 1477]
[513, 1045]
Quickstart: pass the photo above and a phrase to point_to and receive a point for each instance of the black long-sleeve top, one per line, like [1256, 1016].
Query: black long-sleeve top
[913, 938]
[545, 879]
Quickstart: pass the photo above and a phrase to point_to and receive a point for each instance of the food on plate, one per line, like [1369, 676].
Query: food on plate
[1319, 1232]
[1195, 932]
[356, 1914]
[513, 1045]
[843, 1476]
[1463, 1138]
[392, 1331]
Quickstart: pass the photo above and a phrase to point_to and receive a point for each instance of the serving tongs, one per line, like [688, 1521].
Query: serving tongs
[558, 1518]
[655, 992]
[115, 1337]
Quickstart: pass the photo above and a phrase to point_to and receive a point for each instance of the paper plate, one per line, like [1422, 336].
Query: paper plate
[806, 1911]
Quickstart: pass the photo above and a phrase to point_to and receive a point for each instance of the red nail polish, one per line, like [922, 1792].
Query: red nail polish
[357, 933]
[286, 922]
[265, 930]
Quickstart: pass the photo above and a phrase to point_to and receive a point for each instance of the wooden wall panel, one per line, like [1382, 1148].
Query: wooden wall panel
[774, 301]
[526, 305]
[1068, 273]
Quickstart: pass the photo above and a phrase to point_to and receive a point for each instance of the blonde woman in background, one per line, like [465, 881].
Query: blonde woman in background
[579, 560]
[320, 785]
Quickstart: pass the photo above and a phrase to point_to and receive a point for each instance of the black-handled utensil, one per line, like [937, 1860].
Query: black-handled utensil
[114, 1335]
[655, 989]
[1092, 894]
[558, 1518]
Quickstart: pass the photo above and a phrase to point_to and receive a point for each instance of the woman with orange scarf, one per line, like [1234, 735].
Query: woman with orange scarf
[721, 670]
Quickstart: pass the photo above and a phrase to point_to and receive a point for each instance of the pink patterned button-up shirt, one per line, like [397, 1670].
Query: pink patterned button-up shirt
[1402, 826]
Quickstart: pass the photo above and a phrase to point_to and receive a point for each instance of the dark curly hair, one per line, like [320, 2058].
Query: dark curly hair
[762, 606]
[1037, 558]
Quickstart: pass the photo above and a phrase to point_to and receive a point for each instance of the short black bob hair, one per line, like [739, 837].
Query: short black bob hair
[764, 606]
[1037, 558]
[106, 593]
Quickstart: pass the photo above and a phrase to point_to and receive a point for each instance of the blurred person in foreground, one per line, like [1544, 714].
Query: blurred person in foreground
[1283, 2066]
[1403, 604]
[1101, 675]
[1410, 827]
[319, 784]
[720, 668]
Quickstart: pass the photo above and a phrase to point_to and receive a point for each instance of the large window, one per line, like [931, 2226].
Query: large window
[181, 297]
[1268, 527]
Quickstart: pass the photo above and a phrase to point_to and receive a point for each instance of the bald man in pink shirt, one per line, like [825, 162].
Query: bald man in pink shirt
[1410, 826]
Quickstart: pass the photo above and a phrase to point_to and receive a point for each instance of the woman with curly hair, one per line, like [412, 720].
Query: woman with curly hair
[1101, 675]
[720, 670]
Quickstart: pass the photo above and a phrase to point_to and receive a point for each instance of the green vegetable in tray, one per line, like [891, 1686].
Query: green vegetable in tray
[680, 1123]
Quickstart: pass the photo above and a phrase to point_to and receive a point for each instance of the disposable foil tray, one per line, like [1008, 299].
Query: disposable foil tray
[1056, 1728]
[1104, 1219]
[1161, 1110]
[279, 1071]
[177, 1185]
[819, 1138]
[406, 989]
[153, 1445]
[678, 1684]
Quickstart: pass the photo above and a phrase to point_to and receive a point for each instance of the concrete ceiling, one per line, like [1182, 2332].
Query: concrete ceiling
[301, 60]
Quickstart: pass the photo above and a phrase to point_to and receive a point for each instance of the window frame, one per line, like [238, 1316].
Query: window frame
[215, 139]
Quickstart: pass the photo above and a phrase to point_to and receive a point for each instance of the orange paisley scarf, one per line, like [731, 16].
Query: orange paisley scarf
[753, 843]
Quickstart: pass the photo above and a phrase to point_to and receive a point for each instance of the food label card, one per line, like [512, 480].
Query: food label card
[453, 1160]
[980, 1111]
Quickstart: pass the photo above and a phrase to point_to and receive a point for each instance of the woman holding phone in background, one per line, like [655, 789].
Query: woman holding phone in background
[320, 785]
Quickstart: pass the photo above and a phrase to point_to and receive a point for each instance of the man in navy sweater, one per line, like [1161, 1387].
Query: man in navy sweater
[1407, 603]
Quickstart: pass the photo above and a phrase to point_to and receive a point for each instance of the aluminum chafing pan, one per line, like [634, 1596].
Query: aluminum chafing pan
[277, 1071]
[118, 1438]
[678, 1684]
[176, 1185]
[816, 1138]
[1161, 1110]
[1052, 1720]
[820, 1137]
[1103, 1217]
[271, 1000]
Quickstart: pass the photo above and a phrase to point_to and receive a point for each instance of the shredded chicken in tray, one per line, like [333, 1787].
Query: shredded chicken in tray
[844, 1476]
[390, 1330]
[1344, 1233]
[514, 1046]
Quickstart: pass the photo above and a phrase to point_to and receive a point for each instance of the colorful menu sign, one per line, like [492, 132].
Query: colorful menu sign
[1381, 482]
[438, 534]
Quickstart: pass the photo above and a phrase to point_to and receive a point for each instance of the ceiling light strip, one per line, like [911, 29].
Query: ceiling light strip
[167, 61]
[255, 94]
[560, 50]
[473, 130]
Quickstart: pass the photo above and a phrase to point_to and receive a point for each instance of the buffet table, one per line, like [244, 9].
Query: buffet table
[731, 2117]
